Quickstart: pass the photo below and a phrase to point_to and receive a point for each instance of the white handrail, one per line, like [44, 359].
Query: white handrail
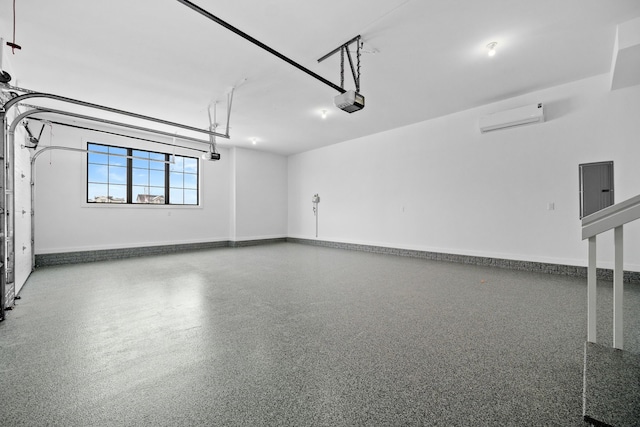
[613, 217]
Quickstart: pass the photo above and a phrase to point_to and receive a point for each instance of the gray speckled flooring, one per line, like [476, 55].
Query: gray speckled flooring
[290, 334]
[612, 376]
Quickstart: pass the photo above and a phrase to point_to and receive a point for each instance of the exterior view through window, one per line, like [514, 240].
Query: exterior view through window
[128, 176]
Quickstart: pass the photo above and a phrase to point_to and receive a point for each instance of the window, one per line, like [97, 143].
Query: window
[106, 174]
[183, 181]
[148, 177]
[125, 175]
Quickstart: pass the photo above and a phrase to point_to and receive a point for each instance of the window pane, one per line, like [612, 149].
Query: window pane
[98, 158]
[178, 166]
[156, 178]
[139, 193]
[117, 175]
[97, 193]
[176, 180]
[190, 197]
[157, 191]
[176, 196]
[139, 163]
[140, 177]
[157, 156]
[157, 165]
[118, 160]
[190, 181]
[102, 159]
[140, 159]
[117, 194]
[97, 147]
[191, 165]
[97, 173]
[149, 195]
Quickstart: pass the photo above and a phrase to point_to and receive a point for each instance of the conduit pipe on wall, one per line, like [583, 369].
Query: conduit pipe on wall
[315, 200]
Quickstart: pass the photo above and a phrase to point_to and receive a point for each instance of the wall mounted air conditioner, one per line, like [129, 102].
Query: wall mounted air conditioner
[511, 118]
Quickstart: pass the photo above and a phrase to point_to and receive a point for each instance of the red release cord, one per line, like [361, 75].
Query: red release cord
[13, 44]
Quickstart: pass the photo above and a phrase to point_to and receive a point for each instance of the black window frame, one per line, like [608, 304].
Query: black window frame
[129, 175]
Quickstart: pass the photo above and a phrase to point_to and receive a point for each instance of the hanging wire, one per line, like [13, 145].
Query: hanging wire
[342, 67]
[13, 44]
[359, 45]
[212, 126]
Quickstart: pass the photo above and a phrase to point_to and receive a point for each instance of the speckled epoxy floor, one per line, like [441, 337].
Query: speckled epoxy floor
[289, 334]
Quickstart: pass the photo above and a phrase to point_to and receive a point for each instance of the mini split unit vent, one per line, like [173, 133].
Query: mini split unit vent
[511, 118]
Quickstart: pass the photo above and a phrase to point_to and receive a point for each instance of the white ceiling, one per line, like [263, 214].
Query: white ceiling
[162, 59]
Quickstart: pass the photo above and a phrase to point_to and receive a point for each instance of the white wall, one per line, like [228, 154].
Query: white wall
[260, 195]
[66, 223]
[438, 185]
[441, 186]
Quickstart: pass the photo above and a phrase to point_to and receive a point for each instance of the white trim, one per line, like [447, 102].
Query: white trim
[138, 206]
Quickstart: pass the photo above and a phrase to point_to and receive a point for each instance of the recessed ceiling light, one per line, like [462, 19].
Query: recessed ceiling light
[254, 141]
[323, 113]
[492, 48]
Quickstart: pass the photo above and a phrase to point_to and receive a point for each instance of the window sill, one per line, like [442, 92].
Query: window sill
[137, 206]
